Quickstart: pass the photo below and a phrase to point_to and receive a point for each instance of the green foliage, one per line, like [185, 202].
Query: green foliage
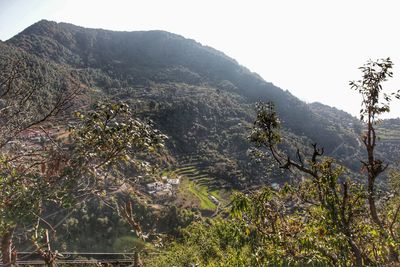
[128, 244]
[21, 196]
[289, 227]
[206, 245]
[266, 126]
[111, 133]
[374, 73]
[32, 94]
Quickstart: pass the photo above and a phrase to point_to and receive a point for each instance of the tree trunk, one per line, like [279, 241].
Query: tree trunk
[357, 254]
[136, 260]
[371, 202]
[50, 262]
[6, 247]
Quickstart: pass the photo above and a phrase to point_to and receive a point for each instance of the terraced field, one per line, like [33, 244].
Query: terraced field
[197, 188]
[389, 140]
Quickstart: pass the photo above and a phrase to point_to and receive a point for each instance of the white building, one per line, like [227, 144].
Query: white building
[173, 181]
[213, 199]
[156, 186]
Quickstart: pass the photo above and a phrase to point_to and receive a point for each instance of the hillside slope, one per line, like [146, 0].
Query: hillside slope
[198, 96]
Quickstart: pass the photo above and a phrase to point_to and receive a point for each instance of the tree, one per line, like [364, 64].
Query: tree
[107, 137]
[34, 173]
[109, 140]
[372, 105]
[338, 198]
[324, 218]
[374, 73]
[28, 100]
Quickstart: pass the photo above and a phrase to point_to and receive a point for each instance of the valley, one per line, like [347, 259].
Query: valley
[160, 143]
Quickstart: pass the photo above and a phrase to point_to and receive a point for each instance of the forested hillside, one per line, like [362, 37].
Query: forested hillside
[151, 143]
[198, 96]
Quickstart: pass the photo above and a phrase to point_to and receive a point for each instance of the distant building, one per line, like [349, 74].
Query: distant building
[275, 186]
[173, 181]
[164, 189]
[156, 186]
[213, 199]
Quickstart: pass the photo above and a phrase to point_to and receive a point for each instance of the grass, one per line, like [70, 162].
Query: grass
[165, 173]
[215, 193]
[194, 190]
[201, 193]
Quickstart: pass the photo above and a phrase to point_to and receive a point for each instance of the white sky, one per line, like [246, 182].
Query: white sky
[310, 47]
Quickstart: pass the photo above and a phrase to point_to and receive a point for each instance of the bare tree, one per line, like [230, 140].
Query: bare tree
[28, 100]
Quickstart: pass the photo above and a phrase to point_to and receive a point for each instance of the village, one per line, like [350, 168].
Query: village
[164, 189]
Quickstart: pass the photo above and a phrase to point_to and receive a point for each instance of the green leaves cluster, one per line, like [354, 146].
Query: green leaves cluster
[265, 131]
[294, 226]
[21, 196]
[370, 88]
[218, 243]
[110, 133]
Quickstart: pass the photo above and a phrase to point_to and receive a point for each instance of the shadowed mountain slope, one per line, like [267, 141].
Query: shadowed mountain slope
[203, 99]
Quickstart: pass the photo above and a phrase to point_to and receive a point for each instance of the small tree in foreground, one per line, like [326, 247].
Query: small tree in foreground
[324, 219]
[330, 207]
[374, 103]
[30, 100]
[104, 142]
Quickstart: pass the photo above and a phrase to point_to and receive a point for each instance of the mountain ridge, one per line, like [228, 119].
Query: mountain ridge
[177, 76]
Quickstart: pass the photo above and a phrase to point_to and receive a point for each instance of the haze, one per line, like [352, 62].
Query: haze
[311, 48]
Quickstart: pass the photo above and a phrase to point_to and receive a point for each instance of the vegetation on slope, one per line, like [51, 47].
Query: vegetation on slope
[203, 101]
[196, 95]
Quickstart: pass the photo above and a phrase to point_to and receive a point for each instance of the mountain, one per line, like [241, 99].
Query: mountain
[201, 98]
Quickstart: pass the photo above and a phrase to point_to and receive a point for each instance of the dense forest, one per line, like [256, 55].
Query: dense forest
[170, 152]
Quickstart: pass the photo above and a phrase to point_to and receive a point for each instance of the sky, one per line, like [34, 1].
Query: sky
[312, 48]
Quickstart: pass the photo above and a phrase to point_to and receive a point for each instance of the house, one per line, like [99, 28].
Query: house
[213, 199]
[156, 186]
[275, 186]
[173, 182]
